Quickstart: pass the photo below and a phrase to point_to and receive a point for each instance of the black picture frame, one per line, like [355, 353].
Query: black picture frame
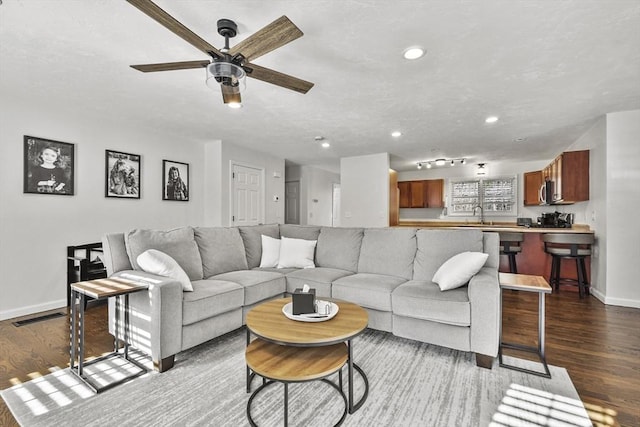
[175, 188]
[49, 166]
[122, 172]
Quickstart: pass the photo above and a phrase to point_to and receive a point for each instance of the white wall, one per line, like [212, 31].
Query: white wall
[622, 207]
[364, 190]
[35, 229]
[218, 157]
[595, 209]
[319, 195]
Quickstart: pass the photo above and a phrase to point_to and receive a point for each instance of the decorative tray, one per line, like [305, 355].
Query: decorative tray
[311, 317]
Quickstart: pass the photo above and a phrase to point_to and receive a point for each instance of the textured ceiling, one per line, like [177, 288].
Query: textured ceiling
[547, 68]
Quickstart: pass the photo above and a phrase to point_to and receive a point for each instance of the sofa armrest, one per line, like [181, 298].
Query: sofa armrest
[484, 297]
[156, 315]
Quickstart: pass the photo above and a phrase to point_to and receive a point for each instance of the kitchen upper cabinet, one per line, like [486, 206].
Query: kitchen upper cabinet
[405, 194]
[573, 176]
[417, 194]
[532, 183]
[570, 175]
[435, 193]
[421, 194]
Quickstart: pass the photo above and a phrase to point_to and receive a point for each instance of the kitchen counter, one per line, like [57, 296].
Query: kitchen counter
[494, 226]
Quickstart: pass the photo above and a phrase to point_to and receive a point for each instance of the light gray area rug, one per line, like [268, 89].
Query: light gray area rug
[411, 384]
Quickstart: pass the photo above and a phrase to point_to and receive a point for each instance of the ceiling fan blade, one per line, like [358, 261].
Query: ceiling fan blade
[230, 94]
[169, 66]
[277, 78]
[278, 33]
[155, 12]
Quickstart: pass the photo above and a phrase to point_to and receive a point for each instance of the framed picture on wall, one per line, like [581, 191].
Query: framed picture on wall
[175, 181]
[122, 175]
[48, 166]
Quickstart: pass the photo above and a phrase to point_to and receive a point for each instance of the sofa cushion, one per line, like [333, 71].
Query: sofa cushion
[367, 290]
[437, 246]
[258, 284]
[252, 238]
[319, 278]
[221, 249]
[457, 270]
[296, 253]
[156, 262]
[339, 248]
[210, 298]
[388, 251]
[424, 300]
[305, 232]
[179, 244]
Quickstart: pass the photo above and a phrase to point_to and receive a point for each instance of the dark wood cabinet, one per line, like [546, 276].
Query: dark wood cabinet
[570, 175]
[405, 194]
[573, 181]
[417, 194]
[421, 194]
[435, 193]
[532, 183]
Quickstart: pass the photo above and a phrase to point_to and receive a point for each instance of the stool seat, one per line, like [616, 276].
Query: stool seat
[510, 246]
[507, 249]
[566, 252]
[572, 246]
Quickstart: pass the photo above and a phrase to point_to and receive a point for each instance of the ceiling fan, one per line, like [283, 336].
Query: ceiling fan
[228, 67]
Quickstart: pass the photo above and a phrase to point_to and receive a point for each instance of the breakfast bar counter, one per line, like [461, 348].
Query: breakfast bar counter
[532, 259]
[510, 227]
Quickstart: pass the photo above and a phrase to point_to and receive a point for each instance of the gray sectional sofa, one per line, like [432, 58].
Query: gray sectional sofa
[388, 271]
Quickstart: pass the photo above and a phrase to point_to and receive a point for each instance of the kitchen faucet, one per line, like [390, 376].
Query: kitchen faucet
[481, 213]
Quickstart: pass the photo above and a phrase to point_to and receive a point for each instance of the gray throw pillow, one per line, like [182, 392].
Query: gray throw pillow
[179, 244]
[221, 249]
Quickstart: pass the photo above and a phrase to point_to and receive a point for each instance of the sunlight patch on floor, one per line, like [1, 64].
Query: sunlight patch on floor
[529, 407]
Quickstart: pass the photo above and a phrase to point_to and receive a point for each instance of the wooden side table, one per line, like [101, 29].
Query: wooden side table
[289, 364]
[101, 289]
[527, 283]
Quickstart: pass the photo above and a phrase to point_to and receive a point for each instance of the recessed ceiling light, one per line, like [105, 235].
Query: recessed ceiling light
[396, 134]
[413, 53]
[491, 119]
[234, 105]
[326, 145]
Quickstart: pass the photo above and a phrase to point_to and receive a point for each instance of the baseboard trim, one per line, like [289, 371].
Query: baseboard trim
[32, 309]
[622, 302]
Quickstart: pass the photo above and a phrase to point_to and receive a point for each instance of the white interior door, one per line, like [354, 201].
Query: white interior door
[292, 202]
[248, 194]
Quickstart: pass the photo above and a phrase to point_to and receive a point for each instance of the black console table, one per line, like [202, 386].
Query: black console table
[81, 267]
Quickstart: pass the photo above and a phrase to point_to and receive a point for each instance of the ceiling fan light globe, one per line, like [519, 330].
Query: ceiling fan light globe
[226, 73]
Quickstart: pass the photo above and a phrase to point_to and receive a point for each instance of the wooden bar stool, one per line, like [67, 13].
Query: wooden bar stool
[510, 246]
[573, 246]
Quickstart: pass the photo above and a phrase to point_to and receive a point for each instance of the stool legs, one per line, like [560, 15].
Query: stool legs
[581, 269]
[513, 268]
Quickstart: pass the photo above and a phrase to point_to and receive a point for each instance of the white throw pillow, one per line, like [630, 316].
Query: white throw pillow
[270, 251]
[156, 262]
[296, 253]
[459, 269]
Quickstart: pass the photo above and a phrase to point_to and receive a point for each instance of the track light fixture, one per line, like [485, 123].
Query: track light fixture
[440, 162]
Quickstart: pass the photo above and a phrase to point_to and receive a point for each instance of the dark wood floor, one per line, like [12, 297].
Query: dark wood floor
[599, 345]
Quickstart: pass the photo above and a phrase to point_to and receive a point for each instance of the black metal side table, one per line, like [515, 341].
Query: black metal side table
[527, 283]
[102, 289]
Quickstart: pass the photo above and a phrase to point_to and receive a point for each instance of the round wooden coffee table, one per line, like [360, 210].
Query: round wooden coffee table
[282, 339]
